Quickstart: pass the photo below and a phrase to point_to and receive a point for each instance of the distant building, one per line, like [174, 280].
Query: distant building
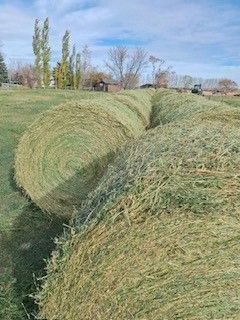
[107, 86]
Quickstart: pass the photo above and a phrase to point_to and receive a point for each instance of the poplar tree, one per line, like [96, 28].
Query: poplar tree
[3, 70]
[37, 44]
[46, 53]
[78, 71]
[65, 59]
[73, 68]
[57, 74]
[86, 63]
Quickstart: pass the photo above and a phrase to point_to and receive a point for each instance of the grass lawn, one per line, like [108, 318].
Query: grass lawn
[25, 232]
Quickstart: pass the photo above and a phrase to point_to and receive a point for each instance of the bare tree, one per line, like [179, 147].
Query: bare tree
[126, 66]
[226, 85]
[163, 78]
[24, 74]
[132, 81]
[153, 60]
[187, 82]
[156, 63]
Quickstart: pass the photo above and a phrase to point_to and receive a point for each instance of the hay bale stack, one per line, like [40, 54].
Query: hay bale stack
[64, 153]
[168, 106]
[162, 233]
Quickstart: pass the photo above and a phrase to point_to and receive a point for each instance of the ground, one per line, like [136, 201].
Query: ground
[25, 232]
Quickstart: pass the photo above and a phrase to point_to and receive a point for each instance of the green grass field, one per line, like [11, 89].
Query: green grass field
[25, 233]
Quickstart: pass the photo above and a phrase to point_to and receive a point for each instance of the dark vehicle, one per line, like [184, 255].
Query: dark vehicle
[197, 89]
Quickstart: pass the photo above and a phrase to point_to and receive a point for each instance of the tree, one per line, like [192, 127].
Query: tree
[72, 68]
[132, 81]
[226, 85]
[187, 82]
[3, 70]
[154, 60]
[37, 46]
[78, 71]
[125, 66]
[65, 60]
[57, 75]
[75, 69]
[86, 63]
[163, 78]
[96, 76]
[46, 52]
[25, 74]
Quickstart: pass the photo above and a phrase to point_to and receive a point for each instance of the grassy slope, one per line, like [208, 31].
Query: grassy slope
[19, 221]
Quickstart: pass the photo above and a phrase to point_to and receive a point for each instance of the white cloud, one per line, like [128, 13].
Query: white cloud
[198, 37]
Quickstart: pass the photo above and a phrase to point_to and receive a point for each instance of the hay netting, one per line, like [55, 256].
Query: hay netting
[161, 239]
[64, 153]
[168, 106]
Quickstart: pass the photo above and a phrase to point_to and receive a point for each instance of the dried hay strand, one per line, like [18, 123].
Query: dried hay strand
[168, 106]
[63, 154]
[161, 233]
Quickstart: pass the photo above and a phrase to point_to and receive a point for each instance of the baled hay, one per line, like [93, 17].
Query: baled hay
[162, 233]
[168, 106]
[64, 153]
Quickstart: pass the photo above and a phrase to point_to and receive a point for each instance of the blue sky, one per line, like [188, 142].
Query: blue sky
[200, 38]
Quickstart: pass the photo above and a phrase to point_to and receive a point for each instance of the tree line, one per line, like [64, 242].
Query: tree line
[74, 69]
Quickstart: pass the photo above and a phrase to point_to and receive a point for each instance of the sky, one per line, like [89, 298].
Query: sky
[199, 38]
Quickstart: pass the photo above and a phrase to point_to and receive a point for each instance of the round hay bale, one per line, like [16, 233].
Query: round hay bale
[161, 239]
[63, 154]
[171, 106]
[139, 101]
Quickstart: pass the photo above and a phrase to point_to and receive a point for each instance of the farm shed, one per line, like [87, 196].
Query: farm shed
[107, 86]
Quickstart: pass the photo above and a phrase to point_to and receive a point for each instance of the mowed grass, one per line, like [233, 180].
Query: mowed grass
[20, 221]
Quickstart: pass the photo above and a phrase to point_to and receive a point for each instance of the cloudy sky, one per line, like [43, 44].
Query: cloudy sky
[200, 38]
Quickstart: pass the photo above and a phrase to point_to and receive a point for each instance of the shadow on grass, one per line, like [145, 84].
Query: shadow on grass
[29, 243]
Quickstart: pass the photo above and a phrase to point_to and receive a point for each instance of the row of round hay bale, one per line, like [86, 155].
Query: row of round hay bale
[169, 105]
[161, 232]
[63, 154]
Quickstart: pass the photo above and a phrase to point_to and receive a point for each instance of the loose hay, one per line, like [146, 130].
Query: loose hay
[64, 153]
[161, 237]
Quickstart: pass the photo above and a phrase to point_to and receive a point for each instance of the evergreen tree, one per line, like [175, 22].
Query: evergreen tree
[46, 53]
[3, 70]
[65, 59]
[37, 44]
[78, 71]
[73, 68]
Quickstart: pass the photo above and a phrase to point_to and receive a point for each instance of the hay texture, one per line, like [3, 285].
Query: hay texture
[161, 237]
[168, 106]
[63, 154]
